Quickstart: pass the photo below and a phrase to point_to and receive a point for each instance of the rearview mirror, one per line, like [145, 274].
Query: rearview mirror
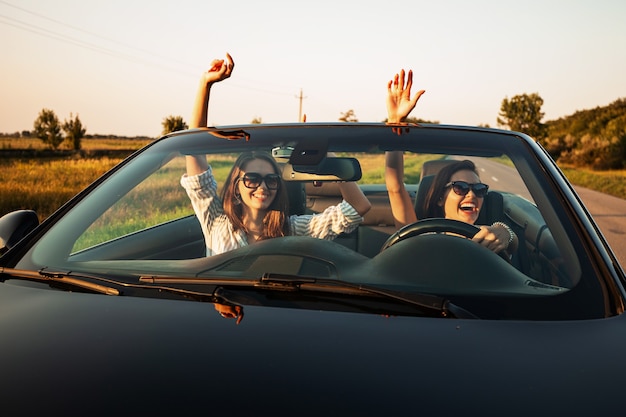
[329, 169]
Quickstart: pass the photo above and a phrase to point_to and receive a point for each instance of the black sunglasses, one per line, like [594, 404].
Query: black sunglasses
[254, 180]
[462, 188]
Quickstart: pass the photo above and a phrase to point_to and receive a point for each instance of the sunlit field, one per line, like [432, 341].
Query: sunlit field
[35, 144]
[158, 199]
[44, 185]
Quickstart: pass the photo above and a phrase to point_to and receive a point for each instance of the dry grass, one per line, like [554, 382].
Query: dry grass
[609, 182]
[9, 143]
[44, 185]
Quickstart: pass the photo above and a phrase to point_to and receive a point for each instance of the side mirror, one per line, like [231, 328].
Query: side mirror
[14, 226]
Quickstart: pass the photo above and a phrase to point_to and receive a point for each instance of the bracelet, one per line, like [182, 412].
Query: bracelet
[508, 229]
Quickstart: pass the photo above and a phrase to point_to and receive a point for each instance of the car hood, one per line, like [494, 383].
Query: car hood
[68, 353]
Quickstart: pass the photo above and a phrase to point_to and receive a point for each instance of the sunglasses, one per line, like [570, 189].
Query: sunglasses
[254, 180]
[462, 188]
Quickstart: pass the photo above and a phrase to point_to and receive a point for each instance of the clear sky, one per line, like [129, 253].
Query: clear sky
[124, 65]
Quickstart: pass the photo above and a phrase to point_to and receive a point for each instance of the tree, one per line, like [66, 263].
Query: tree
[173, 124]
[48, 129]
[74, 132]
[348, 116]
[257, 121]
[523, 114]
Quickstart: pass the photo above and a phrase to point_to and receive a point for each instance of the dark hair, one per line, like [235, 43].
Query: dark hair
[275, 222]
[432, 208]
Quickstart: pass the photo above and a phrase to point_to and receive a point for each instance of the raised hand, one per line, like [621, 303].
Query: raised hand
[220, 70]
[399, 101]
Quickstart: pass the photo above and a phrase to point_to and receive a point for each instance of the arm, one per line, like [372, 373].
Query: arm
[351, 192]
[399, 105]
[220, 70]
[399, 199]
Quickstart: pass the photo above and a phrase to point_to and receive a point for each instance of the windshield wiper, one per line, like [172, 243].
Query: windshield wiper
[422, 300]
[64, 278]
[279, 282]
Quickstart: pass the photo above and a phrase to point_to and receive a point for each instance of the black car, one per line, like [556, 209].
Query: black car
[112, 306]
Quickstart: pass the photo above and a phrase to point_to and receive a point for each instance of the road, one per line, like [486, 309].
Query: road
[610, 214]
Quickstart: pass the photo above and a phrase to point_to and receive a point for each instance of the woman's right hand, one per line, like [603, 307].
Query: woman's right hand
[399, 101]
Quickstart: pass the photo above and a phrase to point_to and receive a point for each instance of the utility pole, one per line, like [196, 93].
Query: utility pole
[300, 110]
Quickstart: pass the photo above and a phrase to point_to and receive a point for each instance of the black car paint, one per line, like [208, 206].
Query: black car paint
[82, 354]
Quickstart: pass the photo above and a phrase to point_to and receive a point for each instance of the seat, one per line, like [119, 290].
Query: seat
[295, 190]
[297, 197]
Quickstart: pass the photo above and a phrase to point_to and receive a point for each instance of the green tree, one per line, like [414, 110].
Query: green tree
[348, 116]
[48, 129]
[173, 124]
[523, 113]
[74, 132]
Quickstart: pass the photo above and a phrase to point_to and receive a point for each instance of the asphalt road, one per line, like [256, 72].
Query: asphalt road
[610, 215]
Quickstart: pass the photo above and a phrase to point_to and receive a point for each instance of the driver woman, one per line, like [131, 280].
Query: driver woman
[456, 192]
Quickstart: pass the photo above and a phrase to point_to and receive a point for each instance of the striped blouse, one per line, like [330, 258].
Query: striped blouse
[220, 235]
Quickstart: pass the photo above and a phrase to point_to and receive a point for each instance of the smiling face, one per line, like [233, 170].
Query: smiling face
[464, 208]
[260, 198]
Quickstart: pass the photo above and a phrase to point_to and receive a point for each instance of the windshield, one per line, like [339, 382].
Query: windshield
[140, 221]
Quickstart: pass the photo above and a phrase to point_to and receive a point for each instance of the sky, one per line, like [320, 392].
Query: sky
[123, 66]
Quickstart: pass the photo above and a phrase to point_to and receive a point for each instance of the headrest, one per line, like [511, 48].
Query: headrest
[420, 198]
[328, 189]
[434, 166]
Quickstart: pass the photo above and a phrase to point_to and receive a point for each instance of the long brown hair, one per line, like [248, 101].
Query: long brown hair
[275, 222]
[432, 208]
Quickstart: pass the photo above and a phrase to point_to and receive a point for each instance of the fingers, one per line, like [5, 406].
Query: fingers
[239, 311]
[401, 80]
[231, 64]
[417, 97]
[485, 237]
[223, 67]
[216, 65]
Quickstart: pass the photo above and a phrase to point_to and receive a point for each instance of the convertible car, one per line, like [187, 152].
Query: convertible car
[112, 306]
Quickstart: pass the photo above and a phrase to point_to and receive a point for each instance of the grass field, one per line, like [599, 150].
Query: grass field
[44, 184]
[7, 143]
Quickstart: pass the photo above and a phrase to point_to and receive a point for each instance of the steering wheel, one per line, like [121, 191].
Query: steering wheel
[436, 225]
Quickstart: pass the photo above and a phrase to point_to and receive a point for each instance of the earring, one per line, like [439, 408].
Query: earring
[237, 199]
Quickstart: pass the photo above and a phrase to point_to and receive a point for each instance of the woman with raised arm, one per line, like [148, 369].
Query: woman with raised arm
[253, 205]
